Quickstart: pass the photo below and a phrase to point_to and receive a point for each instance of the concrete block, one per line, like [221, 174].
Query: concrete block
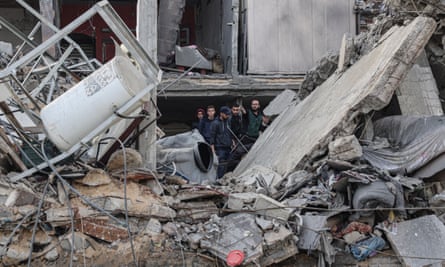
[269, 207]
[240, 201]
[345, 148]
[153, 227]
[422, 237]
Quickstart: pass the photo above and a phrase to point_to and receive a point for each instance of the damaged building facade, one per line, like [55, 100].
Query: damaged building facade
[349, 172]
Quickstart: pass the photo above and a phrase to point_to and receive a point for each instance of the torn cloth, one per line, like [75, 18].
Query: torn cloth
[414, 141]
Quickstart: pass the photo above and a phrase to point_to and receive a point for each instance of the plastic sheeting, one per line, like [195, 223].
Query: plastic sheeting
[413, 142]
[371, 196]
[189, 156]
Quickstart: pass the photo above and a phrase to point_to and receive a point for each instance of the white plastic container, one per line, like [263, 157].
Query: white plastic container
[81, 109]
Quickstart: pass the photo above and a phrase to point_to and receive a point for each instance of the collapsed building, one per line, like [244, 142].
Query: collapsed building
[349, 170]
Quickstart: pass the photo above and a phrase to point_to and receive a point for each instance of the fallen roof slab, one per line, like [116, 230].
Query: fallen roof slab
[368, 85]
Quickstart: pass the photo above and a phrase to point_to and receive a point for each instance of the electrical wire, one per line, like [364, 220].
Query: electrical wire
[125, 196]
[39, 208]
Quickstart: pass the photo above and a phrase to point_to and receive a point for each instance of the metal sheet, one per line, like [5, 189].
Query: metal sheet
[289, 36]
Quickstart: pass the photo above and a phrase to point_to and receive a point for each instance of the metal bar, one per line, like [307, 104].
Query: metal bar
[32, 44]
[48, 43]
[31, 70]
[147, 65]
[54, 28]
[33, 31]
[21, 105]
[52, 72]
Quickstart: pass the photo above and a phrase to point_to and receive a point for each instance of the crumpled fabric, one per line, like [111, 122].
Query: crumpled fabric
[367, 248]
[356, 226]
[371, 196]
[414, 141]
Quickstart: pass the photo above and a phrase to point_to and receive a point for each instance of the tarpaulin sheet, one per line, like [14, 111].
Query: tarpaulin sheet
[414, 141]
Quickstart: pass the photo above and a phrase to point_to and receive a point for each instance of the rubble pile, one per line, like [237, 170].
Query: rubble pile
[326, 184]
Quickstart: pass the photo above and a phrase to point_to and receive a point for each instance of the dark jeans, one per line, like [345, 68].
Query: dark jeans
[223, 155]
[243, 145]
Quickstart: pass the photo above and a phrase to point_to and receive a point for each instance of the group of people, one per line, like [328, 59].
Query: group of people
[232, 132]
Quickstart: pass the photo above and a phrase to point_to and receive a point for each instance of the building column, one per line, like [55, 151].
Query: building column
[146, 32]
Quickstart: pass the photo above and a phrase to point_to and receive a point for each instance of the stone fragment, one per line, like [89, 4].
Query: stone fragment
[153, 227]
[345, 148]
[132, 156]
[52, 255]
[95, 177]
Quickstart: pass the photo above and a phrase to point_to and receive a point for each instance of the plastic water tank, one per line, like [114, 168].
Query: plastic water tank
[80, 110]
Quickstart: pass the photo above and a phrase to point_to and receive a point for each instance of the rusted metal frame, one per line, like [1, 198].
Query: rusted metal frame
[55, 29]
[102, 127]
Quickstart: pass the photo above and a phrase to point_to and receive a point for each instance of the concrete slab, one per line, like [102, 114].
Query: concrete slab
[368, 85]
[422, 240]
[418, 93]
[281, 102]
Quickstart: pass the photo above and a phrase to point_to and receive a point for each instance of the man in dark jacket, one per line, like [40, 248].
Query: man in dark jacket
[204, 124]
[236, 121]
[221, 139]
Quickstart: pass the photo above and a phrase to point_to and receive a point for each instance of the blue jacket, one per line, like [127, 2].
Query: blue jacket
[220, 135]
[204, 128]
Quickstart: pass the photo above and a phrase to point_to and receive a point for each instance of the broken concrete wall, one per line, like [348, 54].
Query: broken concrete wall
[293, 138]
[418, 93]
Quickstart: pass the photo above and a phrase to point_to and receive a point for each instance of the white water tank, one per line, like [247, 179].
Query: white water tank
[80, 110]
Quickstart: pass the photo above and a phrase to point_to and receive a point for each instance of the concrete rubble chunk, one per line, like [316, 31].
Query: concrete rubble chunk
[280, 103]
[15, 254]
[236, 231]
[170, 229]
[240, 201]
[95, 177]
[52, 255]
[260, 204]
[132, 156]
[269, 207]
[418, 94]
[154, 227]
[264, 224]
[423, 239]
[195, 211]
[81, 241]
[367, 85]
[262, 178]
[279, 244]
[345, 148]
[20, 197]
